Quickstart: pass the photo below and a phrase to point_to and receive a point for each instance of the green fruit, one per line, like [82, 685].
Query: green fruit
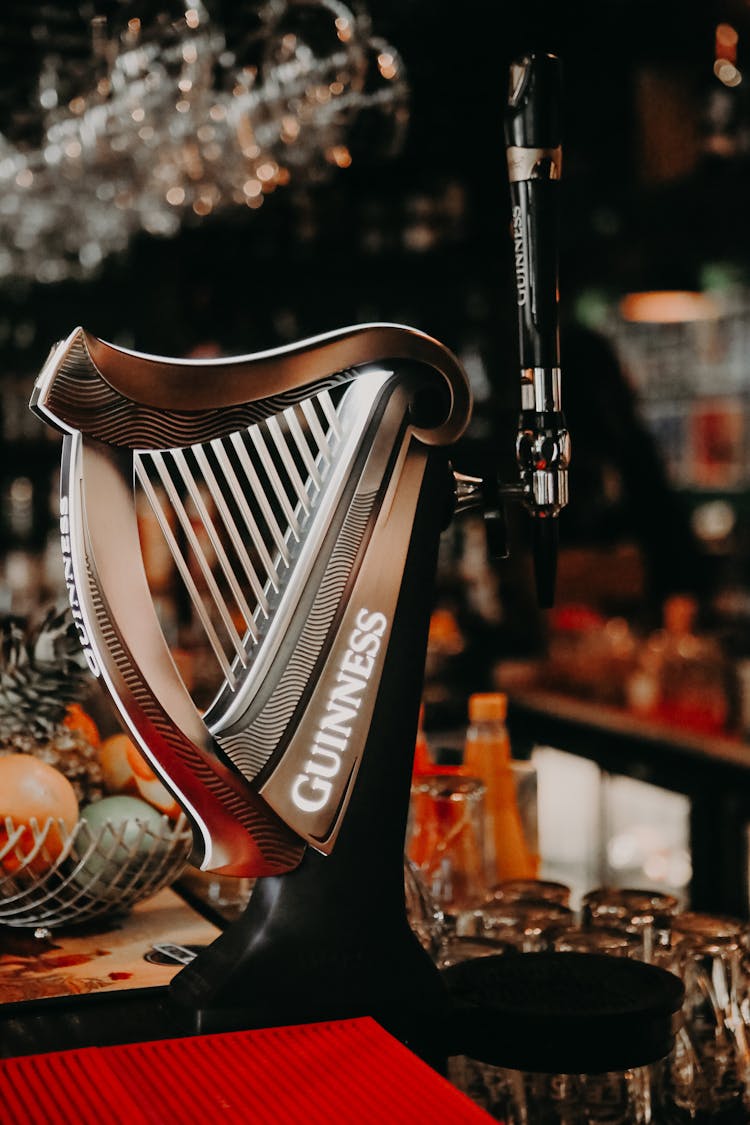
[124, 828]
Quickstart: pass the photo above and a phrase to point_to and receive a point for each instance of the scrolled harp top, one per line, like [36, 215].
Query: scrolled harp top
[139, 401]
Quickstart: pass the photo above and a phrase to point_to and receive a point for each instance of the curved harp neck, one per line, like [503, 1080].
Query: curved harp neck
[141, 401]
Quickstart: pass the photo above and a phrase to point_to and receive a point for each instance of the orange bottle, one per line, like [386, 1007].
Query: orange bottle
[487, 756]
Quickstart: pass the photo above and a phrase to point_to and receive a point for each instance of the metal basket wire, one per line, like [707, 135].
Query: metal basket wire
[95, 873]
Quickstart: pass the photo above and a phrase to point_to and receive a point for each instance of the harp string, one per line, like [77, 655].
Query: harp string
[234, 489]
[233, 513]
[183, 569]
[260, 496]
[275, 480]
[216, 542]
[204, 563]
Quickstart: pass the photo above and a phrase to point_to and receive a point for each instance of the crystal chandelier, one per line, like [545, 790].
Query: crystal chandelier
[167, 124]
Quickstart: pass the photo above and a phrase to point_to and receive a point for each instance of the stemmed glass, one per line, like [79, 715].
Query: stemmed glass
[164, 122]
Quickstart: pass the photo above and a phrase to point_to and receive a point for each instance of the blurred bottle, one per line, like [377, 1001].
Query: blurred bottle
[423, 760]
[445, 661]
[510, 847]
[742, 673]
[590, 655]
[682, 676]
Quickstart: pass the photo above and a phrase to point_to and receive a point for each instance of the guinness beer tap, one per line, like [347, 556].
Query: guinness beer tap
[533, 148]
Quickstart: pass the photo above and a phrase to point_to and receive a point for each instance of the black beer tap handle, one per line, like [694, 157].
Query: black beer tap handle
[533, 138]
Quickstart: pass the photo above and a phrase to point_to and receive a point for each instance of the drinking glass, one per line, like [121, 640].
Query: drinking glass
[627, 1097]
[515, 890]
[603, 939]
[709, 1069]
[445, 840]
[458, 947]
[424, 915]
[527, 925]
[647, 913]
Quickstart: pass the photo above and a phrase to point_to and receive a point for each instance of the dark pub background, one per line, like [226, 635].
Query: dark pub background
[653, 198]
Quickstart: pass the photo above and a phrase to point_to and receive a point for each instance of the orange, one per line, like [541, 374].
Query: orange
[127, 771]
[78, 719]
[138, 763]
[33, 790]
[116, 767]
[157, 795]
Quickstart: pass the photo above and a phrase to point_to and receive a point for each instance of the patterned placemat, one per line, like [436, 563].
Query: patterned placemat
[129, 952]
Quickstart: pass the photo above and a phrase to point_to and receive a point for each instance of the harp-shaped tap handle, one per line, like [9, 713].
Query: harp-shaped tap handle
[298, 617]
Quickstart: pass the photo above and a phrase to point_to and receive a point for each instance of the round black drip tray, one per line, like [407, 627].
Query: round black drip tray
[563, 1013]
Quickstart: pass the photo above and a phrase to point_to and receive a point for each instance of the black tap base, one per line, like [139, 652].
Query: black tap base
[304, 952]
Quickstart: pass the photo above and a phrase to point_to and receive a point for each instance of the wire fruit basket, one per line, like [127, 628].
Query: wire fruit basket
[52, 876]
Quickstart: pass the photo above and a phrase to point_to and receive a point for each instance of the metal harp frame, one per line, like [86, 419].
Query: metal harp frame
[271, 765]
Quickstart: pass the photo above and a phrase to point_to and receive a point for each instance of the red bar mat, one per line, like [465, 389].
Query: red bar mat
[346, 1072]
[66, 1088]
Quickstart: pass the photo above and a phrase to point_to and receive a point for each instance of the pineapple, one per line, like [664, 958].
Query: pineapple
[43, 671]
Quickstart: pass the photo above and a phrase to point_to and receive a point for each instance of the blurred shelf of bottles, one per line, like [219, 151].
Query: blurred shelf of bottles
[686, 354]
[679, 675]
